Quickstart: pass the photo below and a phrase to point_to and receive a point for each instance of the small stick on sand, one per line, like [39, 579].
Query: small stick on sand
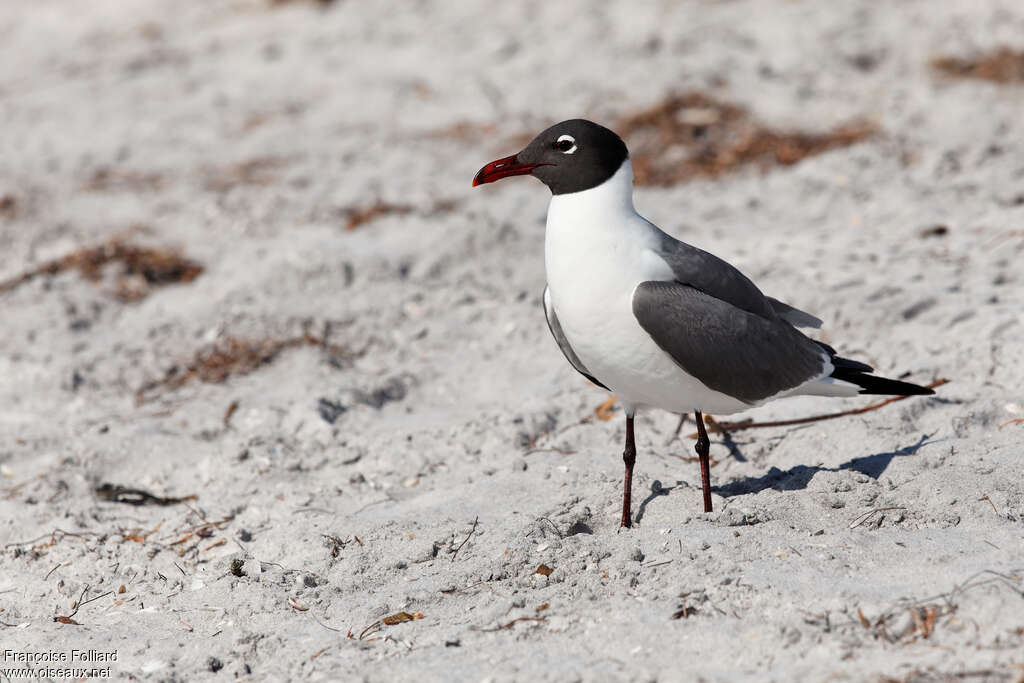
[329, 628]
[232, 407]
[867, 515]
[53, 538]
[513, 623]
[375, 626]
[78, 605]
[985, 497]
[466, 539]
[553, 449]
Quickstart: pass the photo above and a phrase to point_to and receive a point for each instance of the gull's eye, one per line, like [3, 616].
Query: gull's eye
[566, 144]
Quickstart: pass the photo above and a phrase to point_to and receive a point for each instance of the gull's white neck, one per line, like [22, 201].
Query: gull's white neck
[613, 197]
[597, 235]
[600, 218]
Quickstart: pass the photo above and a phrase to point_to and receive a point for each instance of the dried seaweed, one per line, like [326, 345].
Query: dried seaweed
[228, 357]
[464, 131]
[205, 530]
[8, 206]
[106, 178]
[1003, 66]
[365, 214]
[358, 216]
[693, 136]
[142, 268]
[252, 172]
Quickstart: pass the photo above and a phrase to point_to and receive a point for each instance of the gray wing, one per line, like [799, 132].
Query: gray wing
[708, 273]
[563, 343]
[793, 316]
[729, 349]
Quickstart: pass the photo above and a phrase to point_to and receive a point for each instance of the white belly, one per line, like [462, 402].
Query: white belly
[592, 274]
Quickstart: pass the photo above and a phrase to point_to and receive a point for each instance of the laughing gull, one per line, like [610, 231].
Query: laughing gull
[660, 323]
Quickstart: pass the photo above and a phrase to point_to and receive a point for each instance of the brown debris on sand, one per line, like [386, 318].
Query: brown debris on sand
[230, 356]
[690, 136]
[105, 178]
[464, 131]
[142, 268]
[256, 172]
[116, 493]
[1003, 66]
[8, 206]
[323, 3]
[357, 216]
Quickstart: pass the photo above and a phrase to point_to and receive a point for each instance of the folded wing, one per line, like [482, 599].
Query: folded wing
[730, 349]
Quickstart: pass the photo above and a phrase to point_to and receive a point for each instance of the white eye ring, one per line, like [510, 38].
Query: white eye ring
[565, 138]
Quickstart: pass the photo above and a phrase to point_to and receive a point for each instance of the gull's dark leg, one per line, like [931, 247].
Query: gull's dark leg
[628, 457]
[702, 447]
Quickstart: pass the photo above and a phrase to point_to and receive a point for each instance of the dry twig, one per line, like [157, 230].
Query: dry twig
[231, 356]
[466, 539]
[870, 513]
[78, 605]
[925, 613]
[513, 623]
[53, 538]
[985, 497]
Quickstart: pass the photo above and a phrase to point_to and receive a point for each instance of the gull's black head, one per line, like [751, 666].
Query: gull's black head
[570, 156]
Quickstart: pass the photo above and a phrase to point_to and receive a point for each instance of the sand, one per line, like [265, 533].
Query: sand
[361, 394]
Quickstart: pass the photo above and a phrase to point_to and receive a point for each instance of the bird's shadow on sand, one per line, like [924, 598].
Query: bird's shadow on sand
[798, 477]
[657, 490]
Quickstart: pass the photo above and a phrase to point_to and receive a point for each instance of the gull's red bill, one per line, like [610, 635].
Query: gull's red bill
[503, 168]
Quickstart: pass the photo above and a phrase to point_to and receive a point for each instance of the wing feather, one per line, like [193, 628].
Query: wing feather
[728, 348]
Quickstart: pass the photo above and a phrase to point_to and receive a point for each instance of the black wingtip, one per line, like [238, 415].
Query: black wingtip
[883, 386]
[895, 388]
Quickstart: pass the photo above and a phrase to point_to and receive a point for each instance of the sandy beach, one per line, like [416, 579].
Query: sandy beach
[277, 397]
